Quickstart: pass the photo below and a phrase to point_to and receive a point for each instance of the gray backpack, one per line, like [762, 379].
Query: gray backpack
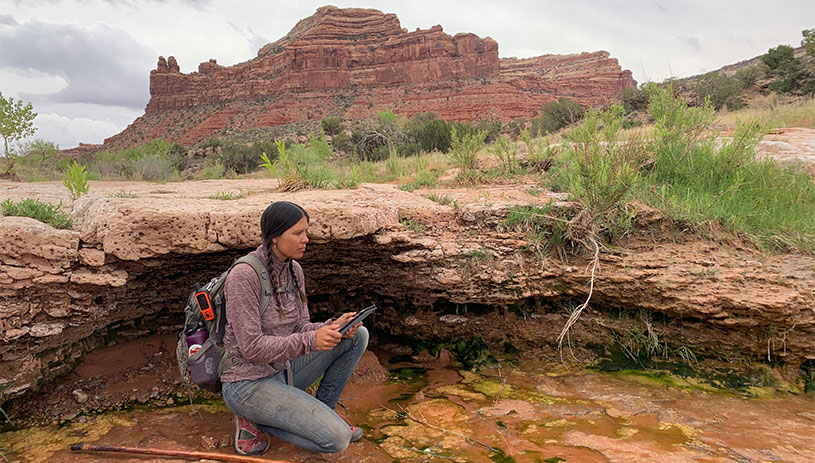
[206, 305]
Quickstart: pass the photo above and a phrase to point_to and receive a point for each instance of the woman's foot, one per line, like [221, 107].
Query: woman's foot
[356, 433]
[249, 440]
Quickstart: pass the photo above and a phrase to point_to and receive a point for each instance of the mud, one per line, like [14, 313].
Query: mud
[430, 409]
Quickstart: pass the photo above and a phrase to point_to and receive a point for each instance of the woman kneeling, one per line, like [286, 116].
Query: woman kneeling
[281, 353]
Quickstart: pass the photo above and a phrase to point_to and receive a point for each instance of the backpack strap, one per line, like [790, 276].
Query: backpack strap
[230, 360]
[263, 276]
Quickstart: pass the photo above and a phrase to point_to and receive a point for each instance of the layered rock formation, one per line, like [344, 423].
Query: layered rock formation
[464, 275]
[354, 62]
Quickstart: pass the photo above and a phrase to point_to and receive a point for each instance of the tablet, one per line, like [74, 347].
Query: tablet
[361, 315]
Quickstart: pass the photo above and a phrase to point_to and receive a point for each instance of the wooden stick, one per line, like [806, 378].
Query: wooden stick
[424, 422]
[174, 453]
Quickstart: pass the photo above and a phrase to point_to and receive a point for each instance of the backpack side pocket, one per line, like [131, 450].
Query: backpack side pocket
[205, 366]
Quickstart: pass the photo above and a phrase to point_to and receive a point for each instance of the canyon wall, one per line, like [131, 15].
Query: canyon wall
[354, 62]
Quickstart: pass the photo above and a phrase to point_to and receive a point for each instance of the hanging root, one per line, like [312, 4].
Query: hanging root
[564, 333]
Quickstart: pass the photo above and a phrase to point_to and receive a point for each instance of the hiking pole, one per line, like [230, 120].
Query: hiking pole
[174, 453]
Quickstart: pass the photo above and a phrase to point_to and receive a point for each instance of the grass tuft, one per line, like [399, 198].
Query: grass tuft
[229, 195]
[35, 209]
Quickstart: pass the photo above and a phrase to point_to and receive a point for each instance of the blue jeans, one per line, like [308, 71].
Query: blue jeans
[291, 414]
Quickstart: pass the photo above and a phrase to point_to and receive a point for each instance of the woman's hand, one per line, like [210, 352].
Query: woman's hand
[345, 318]
[328, 336]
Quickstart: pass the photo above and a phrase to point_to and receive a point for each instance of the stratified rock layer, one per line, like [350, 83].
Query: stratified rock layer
[354, 62]
[438, 272]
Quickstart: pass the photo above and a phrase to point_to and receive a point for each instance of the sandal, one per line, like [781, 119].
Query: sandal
[249, 440]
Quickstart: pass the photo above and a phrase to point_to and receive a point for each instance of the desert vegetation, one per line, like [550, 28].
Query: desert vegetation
[662, 146]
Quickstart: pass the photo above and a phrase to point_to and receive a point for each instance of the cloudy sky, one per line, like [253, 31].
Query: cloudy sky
[85, 64]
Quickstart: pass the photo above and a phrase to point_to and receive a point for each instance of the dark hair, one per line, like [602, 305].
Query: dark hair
[276, 219]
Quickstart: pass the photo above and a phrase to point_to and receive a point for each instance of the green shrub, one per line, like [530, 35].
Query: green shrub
[544, 226]
[464, 148]
[808, 42]
[698, 179]
[506, 152]
[35, 209]
[37, 160]
[154, 168]
[243, 158]
[125, 163]
[557, 114]
[423, 178]
[295, 166]
[605, 170]
[332, 126]
[435, 136]
[540, 154]
[76, 180]
[751, 74]
[214, 171]
[720, 90]
[633, 99]
[318, 148]
[110, 164]
[342, 142]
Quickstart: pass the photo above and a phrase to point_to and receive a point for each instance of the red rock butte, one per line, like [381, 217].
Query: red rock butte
[353, 62]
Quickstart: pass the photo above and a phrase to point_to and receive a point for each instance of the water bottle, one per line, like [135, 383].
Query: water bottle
[197, 335]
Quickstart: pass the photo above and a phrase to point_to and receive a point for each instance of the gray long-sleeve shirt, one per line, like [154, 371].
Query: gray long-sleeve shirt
[269, 341]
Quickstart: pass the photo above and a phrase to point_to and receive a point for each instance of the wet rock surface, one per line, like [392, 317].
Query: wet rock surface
[519, 410]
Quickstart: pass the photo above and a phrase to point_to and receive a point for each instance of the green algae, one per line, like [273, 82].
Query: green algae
[40, 443]
[498, 390]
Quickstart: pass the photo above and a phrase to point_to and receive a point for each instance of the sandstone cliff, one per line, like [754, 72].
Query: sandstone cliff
[463, 276]
[353, 62]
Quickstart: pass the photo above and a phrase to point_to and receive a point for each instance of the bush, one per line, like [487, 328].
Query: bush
[697, 179]
[123, 164]
[214, 171]
[332, 126]
[633, 99]
[342, 142]
[557, 114]
[295, 167]
[720, 90]
[463, 149]
[154, 168]
[38, 160]
[33, 208]
[370, 137]
[318, 147]
[751, 74]
[434, 135]
[605, 170]
[506, 152]
[424, 178]
[243, 158]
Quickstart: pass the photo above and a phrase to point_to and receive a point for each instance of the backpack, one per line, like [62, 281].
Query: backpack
[207, 305]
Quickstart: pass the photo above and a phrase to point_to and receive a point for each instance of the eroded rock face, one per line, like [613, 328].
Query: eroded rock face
[438, 272]
[353, 62]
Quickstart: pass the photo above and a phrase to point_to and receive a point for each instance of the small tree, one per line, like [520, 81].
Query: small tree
[785, 68]
[16, 120]
[808, 41]
[76, 180]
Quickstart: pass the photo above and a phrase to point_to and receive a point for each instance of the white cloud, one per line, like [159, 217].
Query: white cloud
[69, 132]
[102, 64]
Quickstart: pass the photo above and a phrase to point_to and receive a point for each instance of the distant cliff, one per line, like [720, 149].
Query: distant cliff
[354, 62]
